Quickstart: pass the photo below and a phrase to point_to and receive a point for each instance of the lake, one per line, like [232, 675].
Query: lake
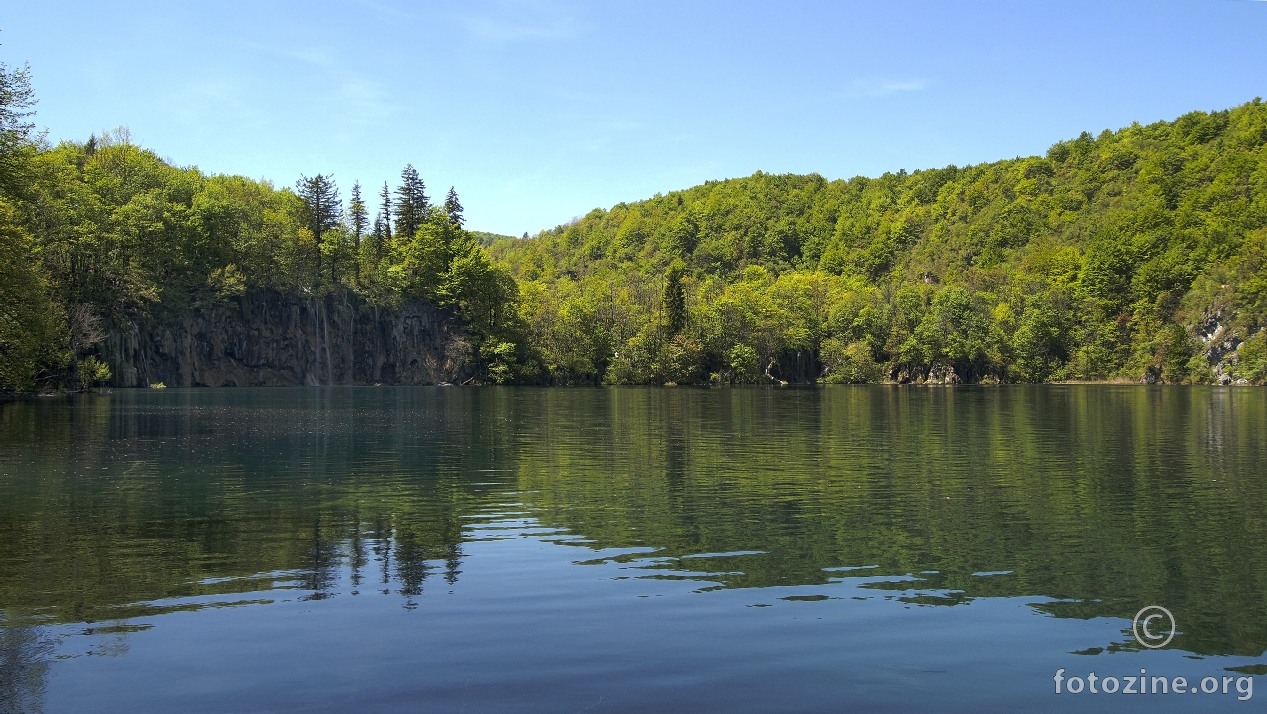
[870, 548]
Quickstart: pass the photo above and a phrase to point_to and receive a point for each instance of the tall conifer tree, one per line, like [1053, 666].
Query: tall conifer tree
[359, 217]
[386, 211]
[378, 237]
[412, 204]
[321, 207]
[453, 208]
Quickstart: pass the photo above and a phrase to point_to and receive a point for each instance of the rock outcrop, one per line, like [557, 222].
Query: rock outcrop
[1221, 349]
[269, 339]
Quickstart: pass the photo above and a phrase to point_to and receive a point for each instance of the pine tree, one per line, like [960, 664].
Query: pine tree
[378, 237]
[412, 205]
[321, 208]
[385, 210]
[359, 216]
[453, 208]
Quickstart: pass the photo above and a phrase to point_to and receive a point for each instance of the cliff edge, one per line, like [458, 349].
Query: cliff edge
[271, 339]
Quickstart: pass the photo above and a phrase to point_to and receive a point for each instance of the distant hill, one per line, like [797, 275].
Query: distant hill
[487, 239]
[1138, 255]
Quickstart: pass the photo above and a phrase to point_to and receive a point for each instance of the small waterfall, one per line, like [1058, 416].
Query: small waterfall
[325, 342]
[315, 365]
[351, 347]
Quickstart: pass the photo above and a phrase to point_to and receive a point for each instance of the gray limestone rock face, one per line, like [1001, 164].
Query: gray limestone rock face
[270, 339]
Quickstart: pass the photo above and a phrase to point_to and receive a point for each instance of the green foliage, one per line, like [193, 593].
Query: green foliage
[743, 365]
[320, 213]
[110, 233]
[674, 298]
[680, 360]
[850, 363]
[412, 204]
[29, 320]
[17, 142]
[100, 233]
[358, 223]
[453, 208]
[227, 281]
[1252, 357]
[1040, 340]
[488, 239]
[502, 361]
[1112, 257]
[1106, 259]
[92, 372]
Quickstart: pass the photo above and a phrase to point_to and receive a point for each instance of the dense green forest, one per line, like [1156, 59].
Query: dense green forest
[100, 232]
[1135, 255]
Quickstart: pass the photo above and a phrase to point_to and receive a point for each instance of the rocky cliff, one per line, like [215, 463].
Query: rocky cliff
[265, 339]
[1222, 348]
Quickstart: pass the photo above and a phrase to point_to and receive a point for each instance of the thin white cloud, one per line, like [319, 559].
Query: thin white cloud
[387, 10]
[593, 133]
[357, 100]
[621, 125]
[510, 20]
[217, 96]
[882, 87]
[363, 100]
[502, 30]
[313, 57]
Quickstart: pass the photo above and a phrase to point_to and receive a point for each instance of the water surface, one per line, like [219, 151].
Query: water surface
[513, 549]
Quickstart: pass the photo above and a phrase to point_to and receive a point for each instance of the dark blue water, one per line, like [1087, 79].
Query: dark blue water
[432, 549]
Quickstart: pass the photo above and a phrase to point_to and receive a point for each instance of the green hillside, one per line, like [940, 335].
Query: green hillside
[1136, 255]
[103, 234]
[486, 238]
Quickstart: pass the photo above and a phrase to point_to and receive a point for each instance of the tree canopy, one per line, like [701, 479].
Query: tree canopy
[1133, 255]
[98, 233]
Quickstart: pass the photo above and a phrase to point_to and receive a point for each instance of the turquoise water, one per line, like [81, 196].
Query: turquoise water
[513, 549]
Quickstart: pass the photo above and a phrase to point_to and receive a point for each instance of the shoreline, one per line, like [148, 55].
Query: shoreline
[22, 396]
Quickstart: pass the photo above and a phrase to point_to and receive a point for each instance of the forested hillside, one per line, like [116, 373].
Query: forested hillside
[1136, 255]
[102, 233]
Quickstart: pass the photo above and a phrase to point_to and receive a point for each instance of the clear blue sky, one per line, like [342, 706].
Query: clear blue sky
[540, 110]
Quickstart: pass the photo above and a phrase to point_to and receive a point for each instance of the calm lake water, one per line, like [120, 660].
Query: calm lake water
[590, 550]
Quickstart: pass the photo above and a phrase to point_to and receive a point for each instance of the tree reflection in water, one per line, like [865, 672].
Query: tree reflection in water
[1101, 498]
[25, 653]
